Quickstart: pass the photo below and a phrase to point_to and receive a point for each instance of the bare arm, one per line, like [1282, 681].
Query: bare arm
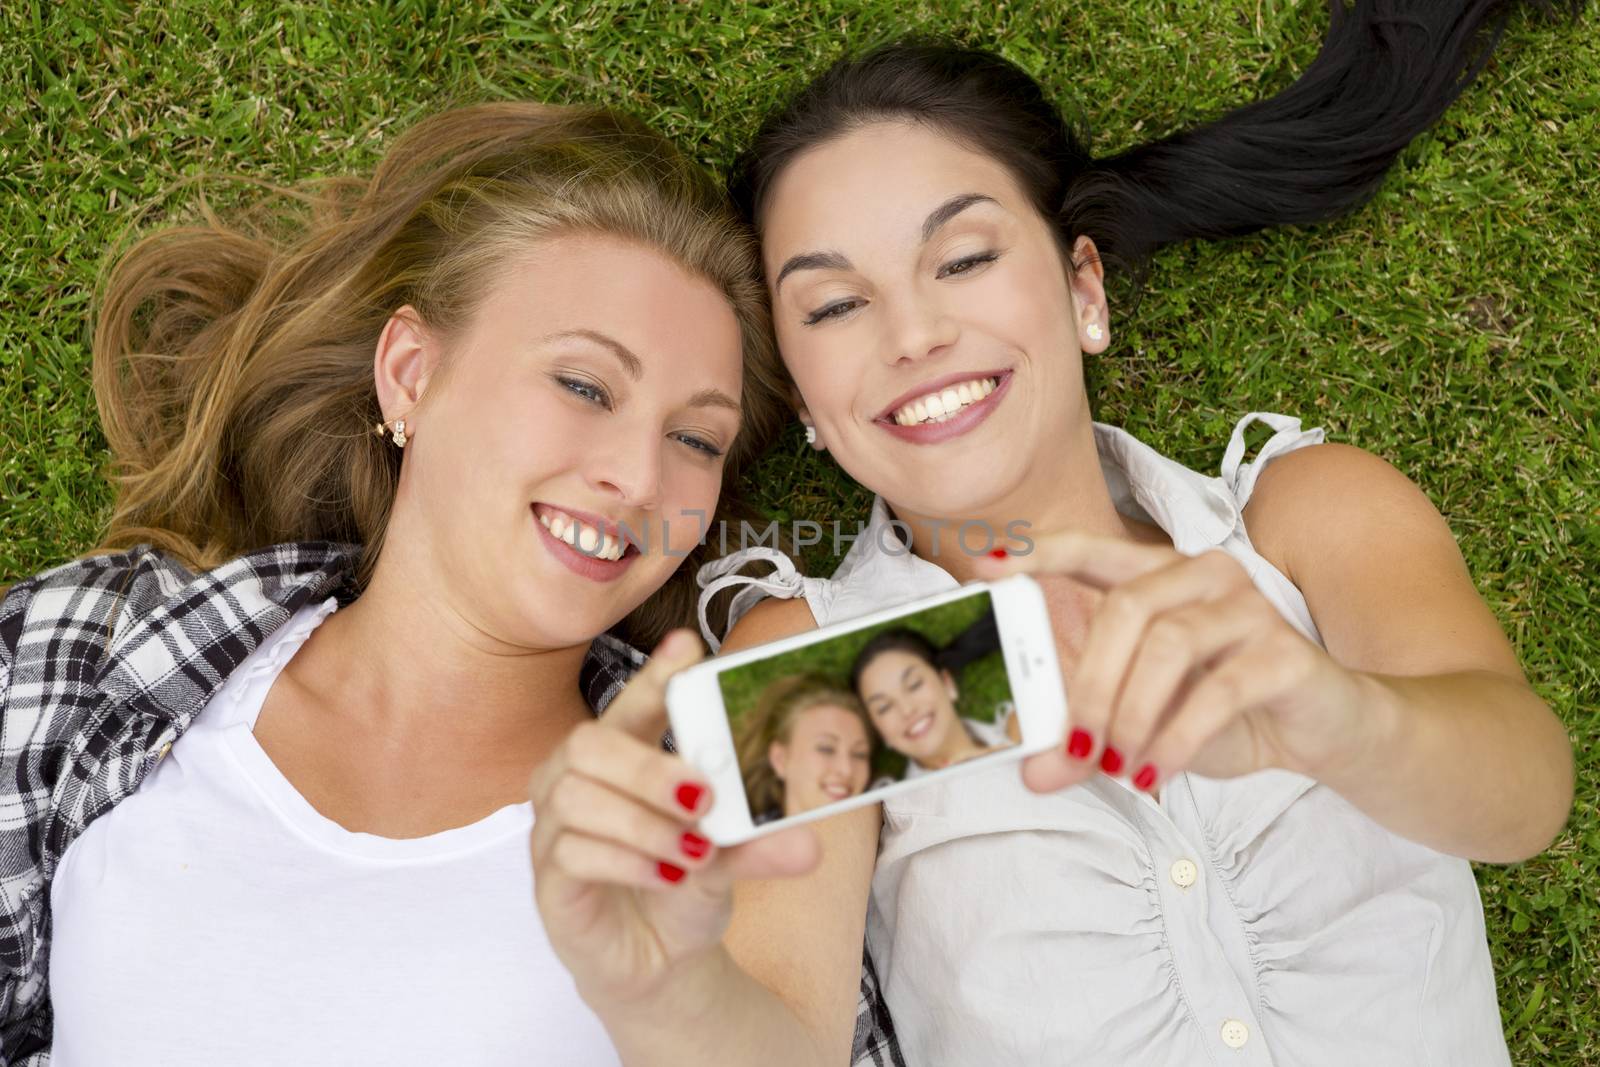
[802, 937]
[1459, 752]
[781, 985]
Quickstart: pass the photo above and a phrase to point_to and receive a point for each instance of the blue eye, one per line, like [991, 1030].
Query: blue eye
[967, 265]
[589, 391]
[699, 444]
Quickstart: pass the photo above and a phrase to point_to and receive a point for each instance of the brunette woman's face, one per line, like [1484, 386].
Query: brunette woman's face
[828, 758]
[912, 703]
[925, 312]
[570, 452]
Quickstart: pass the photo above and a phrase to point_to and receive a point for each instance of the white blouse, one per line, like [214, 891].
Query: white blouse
[1256, 920]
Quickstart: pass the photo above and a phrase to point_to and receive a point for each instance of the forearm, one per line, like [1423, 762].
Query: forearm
[1469, 763]
[712, 1013]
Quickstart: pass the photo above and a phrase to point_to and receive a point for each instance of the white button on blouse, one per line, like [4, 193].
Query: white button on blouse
[1184, 873]
[1021, 928]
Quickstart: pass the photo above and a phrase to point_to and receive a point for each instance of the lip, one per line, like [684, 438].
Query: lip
[936, 432]
[836, 792]
[919, 728]
[586, 566]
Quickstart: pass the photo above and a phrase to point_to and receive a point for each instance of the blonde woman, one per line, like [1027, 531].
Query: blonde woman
[383, 479]
[807, 742]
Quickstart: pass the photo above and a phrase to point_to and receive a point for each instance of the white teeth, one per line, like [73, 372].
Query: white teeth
[590, 540]
[939, 407]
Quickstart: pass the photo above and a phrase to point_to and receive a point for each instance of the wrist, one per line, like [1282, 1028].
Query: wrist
[684, 1000]
[1374, 739]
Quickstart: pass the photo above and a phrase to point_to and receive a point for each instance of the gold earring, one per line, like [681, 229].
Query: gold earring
[396, 431]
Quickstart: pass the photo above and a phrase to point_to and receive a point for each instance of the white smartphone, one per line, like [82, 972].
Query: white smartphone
[847, 715]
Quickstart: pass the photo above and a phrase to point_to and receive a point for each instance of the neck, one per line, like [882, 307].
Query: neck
[958, 745]
[1065, 490]
[422, 673]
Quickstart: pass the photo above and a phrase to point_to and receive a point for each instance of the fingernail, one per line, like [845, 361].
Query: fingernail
[689, 795]
[1080, 743]
[1110, 760]
[694, 846]
[1146, 777]
[669, 872]
[998, 553]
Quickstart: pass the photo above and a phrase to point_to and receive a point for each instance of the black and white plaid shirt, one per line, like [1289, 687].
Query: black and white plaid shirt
[104, 663]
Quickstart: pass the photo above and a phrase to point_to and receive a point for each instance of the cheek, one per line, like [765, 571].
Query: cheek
[1029, 307]
[826, 370]
[690, 491]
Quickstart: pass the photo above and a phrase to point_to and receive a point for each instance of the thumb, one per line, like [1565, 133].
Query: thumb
[641, 709]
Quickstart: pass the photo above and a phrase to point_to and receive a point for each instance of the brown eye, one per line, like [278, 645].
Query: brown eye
[967, 265]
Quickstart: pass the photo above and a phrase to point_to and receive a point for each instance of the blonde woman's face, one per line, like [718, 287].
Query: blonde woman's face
[827, 758]
[572, 452]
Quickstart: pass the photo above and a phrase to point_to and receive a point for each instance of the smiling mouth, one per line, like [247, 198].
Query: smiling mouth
[920, 727]
[836, 792]
[590, 538]
[941, 405]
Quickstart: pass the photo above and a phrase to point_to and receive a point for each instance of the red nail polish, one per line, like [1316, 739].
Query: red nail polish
[689, 795]
[1110, 760]
[669, 872]
[998, 553]
[1146, 777]
[1080, 743]
[694, 846]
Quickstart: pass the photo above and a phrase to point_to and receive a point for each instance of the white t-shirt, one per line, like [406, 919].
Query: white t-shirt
[216, 918]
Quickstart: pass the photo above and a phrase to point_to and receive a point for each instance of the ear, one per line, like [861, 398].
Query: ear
[1087, 282]
[403, 363]
[778, 757]
[799, 404]
[950, 685]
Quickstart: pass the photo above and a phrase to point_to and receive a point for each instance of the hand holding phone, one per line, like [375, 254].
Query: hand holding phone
[614, 847]
[818, 723]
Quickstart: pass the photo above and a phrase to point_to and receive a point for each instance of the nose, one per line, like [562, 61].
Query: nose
[626, 464]
[916, 327]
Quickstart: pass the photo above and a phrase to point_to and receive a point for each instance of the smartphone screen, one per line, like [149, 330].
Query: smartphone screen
[870, 708]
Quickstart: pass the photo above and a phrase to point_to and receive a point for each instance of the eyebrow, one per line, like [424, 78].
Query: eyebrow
[949, 210]
[812, 261]
[930, 226]
[630, 362]
[714, 398]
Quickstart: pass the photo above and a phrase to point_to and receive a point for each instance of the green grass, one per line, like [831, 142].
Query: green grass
[1449, 327]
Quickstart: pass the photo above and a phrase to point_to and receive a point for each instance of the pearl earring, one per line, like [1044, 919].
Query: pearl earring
[811, 435]
[1095, 332]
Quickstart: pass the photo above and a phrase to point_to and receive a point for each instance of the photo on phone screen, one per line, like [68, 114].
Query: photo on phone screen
[870, 708]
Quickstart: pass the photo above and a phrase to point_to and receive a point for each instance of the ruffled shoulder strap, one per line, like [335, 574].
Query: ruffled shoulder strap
[1240, 477]
[784, 581]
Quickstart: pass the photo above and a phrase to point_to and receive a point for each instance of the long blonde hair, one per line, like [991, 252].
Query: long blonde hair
[233, 359]
[772, 719]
